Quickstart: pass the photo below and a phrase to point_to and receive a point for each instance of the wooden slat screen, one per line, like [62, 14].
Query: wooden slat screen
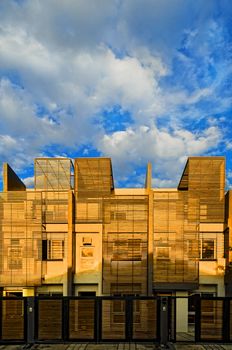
[145, 319]
[13, 319]
[177, 215]
[88, 209]
[49, 319]
[125, 245]
[55, 206]
[211, 319]
[20, 238]
[113, 319]
[53, 174]
[93, 177]
[176, 238]
[81, 319]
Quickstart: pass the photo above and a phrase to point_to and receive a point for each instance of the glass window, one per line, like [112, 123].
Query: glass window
[193, 248]
[118, 215]
[86, 241]
[53, 249]
[15, 257]
[208, 249]
[127, 249]
[162, 253]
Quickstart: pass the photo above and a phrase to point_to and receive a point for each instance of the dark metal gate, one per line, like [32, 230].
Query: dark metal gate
[118, 319]
[211, 320]
[97, 319]
[214, 320]
[13, 320]
[129, 319]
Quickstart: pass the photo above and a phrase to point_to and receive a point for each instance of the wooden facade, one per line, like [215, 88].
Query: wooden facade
[76, 234]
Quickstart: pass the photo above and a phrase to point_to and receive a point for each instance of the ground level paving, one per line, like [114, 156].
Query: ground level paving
[117, 346]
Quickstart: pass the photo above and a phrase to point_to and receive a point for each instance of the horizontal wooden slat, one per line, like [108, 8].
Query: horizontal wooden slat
[49, 319]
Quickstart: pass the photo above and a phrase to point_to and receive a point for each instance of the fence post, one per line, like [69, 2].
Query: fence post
[65, 318]
[30, 320]
[197, 302]
[164, 321]
[98, 319]
[226, 320]
[129, 317]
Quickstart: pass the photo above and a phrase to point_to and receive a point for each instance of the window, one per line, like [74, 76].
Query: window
[193, 248]
[118, 311]
[15, 255]
[89, 211]
[118, 314]
[118, 215]
[87, 241]
[127, 250]
[208, 249]
[162, 253]
[134, 249]
[203, 212]
[53, 249]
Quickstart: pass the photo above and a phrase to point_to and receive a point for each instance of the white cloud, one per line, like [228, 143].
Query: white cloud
[167, 151]
[29, 182]
[62, 66]
[164, 183]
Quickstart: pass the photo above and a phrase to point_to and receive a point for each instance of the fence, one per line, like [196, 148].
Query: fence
[118, 319]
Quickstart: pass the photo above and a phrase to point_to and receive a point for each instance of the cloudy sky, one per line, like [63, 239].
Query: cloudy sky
[135, 80]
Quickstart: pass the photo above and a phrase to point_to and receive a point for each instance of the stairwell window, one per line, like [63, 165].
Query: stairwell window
[118, 216]
[15, 255]
[208, 249]
[53, 249]
[163, 253]
[193, 248]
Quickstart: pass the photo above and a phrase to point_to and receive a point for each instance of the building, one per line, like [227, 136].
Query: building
[76, 234]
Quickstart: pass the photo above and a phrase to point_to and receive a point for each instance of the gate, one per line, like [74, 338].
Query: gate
[115, 319]
[13, 320]
[201, 319]
[129, 319]
[214, 318]
[96, 319]
[49, 319]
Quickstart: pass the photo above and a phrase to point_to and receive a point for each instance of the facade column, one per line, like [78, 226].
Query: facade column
[150, 230]
[68, 279]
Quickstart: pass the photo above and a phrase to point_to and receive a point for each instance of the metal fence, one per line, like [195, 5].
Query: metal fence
[118, 319]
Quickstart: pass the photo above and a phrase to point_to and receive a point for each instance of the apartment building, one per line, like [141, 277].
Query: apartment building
[76, 234]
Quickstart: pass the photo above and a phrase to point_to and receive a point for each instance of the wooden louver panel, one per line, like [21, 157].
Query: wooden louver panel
[211, 319]
[13, 319]
[113, 319]
[49, 319]
[144, 319]
[81, 319]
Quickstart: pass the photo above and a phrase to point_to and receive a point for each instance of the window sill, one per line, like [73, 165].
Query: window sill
[53, 260]
[208, 259]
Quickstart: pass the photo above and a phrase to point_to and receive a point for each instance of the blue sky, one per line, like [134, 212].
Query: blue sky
[135, 80]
